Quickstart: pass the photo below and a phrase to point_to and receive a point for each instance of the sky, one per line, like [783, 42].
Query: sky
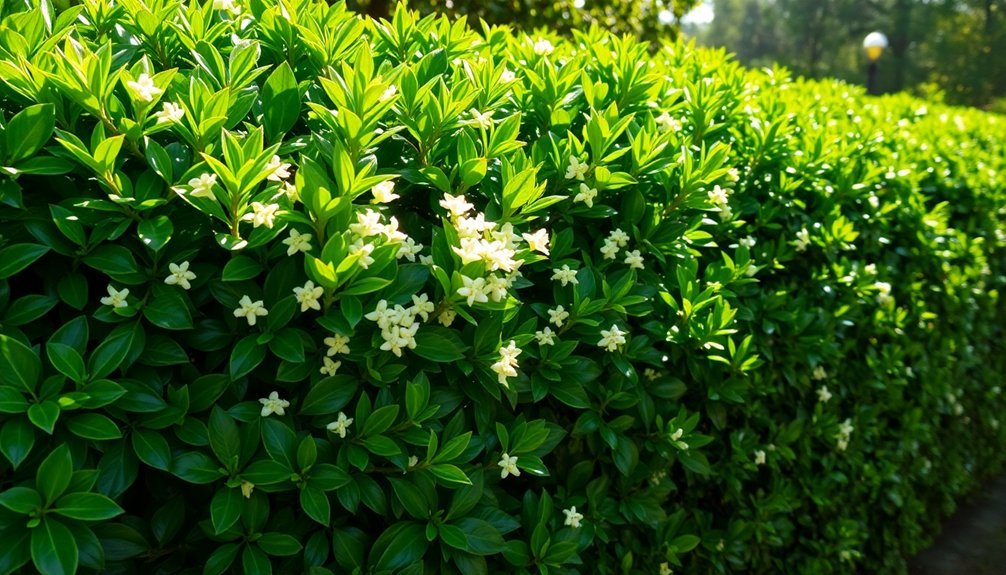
[703, 14]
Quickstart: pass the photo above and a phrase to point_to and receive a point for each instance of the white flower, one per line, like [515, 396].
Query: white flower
[668, 123]
[565, 275]
[278, 170]
[759, 457]
[308, 295]
[820, 373]
[496, 288]
[273, 404]
[290, 190]
[748, 242]
[508, 464]
[297, 242]
[474, 290]
[545, 336]
[337, 343]
[506, 236]
[507, 76]
[384, 193]
[250, 310]
[576, 169]
[634, 260]
[229, 5]
[845, 430]
[410, 249]
[586, 195]
[823, 395]
[422, 306]
[262, 214]
[883, 292]
[144, 88]
[537, 241]
[446, 317]
[719, 196]
[180, 275]
[246, 488]
[362, 250]
[115, 298]
[612, 338]
[399, 337]
[413, 461]
[618, 237]
[572, 517]
[543, 47]
[733, 175]
[507, 364]
[388, 93]
[340, 425]
[170, 113]
[367, 224]
[665, 569]
[484, 121]
[802, 240]
[202, 187]
[330, 367]
[456, 205]
[558, 315]
[609, 250]
[472, 227]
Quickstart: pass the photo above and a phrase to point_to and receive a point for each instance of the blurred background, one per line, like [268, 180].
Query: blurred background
[952, 51]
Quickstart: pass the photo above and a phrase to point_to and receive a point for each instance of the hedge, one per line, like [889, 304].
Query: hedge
[287, 289]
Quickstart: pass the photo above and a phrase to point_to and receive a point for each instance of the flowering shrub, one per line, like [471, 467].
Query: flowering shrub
[282, 288]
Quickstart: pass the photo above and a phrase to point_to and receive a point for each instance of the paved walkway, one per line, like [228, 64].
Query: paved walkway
[973, 540]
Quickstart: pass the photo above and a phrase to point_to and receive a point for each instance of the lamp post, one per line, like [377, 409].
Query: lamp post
[874, 44]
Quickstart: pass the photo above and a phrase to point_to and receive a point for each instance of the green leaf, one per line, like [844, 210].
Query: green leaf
[19, 366]
[87, 507]
[110, 354]
[280, 102]
[221, 559]
[246, 356]
[225, 440]
[116, 262]
[315, 503]
[23, 500]
[54, 473]
[483, 538]
[439, 344]
[67, 361]
[16, 440]
[11, 401]
[255, 562]
[225, 509]
[152, 449]
[28, 131]
[93, 426]
[44, 415]
[279, 544]
[29, 308]
[400, 545]
[53, 548]
[450, 474]
[329, 395]
[168, 310]
[241, 268]
[155, 232]
[197, 468]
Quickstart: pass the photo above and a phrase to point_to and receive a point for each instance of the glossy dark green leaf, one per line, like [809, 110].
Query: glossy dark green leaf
[54, 473]
[155, 232]
[225, 508]
[67, 361]
[17, 437]
[246, 356]
[168, 310]
[86, 507]
[280, 101]
[94, 426]
[53, 548]
[20, 367]
[28, 131]
[44, 415]
[152, 449]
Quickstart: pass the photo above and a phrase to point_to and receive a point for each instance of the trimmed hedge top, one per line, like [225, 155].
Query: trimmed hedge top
[282, 288]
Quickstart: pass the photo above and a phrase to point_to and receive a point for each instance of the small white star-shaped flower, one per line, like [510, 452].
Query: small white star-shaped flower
[384, 193]
[170, 113]
[545, 336]
[576, 169]
[612, 338]
[116, 298]
[823, 395]
[362, 250]
[586, 195]
[609, 250]
[144, 87]
[537, 241]
[388, 93]
[565, 275]
[474, 290]
[262, 214]
[456, 205]
[202, 186]
[278, 170]
[573, 518]
[634, 260]
[297, 242]
[180, 275]
[308, 295]
[273, 404]
[329, 367]
[558, 315]
[759, 457]
[341, 425]
[508, 466]
[250, 310]
[337, 343]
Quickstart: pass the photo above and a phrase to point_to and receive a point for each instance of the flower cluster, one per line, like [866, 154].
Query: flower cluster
[845, 430]
[398, 325]
[507, 364]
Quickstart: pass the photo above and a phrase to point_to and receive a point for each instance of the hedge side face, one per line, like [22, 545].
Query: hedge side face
[286, 290]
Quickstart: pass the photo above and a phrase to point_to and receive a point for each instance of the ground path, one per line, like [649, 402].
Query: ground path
[973, 540]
